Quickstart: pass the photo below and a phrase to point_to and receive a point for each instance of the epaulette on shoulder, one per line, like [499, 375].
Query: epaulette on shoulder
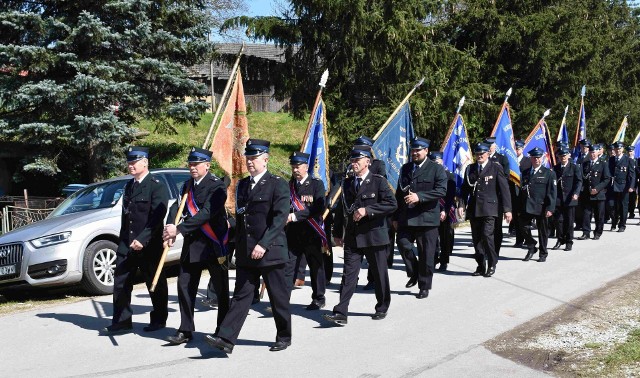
[214, 177]
[276, 177]
[378, 175]
[154, 179]
[315, 178]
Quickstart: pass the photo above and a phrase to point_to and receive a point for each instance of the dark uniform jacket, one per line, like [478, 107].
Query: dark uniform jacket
[525, 164]
[623, 172]
[143, 211]
[504, 162]
[582, 157]
[485, 194]
[595, 177]
[449, 199]
[210, 196]
[311, 194]
[376, 197]
[429, 182]
[260, 217]
[538, 191]
[569, 184]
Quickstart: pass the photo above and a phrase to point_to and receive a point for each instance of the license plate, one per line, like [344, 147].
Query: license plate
[6, 270]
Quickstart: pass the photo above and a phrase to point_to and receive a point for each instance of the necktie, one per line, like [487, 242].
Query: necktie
[252, 182]
[358, 182]
[297, 186]
[479, 168]
[135, 186]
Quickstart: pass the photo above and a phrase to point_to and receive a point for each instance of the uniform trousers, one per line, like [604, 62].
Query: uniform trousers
[446, 234]
[422, 266]
[620, 208]
[124, 277]
[311, 253]
[247, 280]
[542, 224]
[565, 218]
[377, 258]
[497, 233]
[482, 236]
[631, 206]
[188, 281]
[595, 207]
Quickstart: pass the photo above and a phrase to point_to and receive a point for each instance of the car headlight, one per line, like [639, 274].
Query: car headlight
[48, 240]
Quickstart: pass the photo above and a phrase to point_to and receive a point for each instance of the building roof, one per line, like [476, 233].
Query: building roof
[221, 67]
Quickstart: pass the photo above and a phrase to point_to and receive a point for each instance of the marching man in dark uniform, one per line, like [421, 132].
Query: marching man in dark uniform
[497, 157]
[305, 232]
[367, 201]
[205, 231]
[583, 198]
[623, 171]
[633, 194]
[484, 195]
[596, 179]
[262, 201]
[447, 216]
[538, 202]
[569, 177]
[421, 185]
[144, 206]
[524, 163]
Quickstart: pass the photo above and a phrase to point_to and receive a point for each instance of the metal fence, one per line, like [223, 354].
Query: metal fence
[15, 217]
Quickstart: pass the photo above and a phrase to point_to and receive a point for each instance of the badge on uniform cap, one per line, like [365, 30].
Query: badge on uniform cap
[193, 149]
[130, 149]
[249, 142]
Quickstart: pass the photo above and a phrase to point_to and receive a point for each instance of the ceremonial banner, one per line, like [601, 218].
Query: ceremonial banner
[456, 151]
[581, 128]
[636, 143]
[563, 133]
[316, 144]
[505, 142]
[539, 138]
[392, 144]
[230, 139]
[621, 131]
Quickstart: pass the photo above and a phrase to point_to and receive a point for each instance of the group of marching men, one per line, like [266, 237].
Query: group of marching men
[280, 226]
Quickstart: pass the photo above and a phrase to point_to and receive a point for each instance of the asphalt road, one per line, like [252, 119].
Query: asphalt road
[441, 336]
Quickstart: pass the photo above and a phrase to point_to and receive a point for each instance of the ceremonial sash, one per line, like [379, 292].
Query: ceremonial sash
[193, 209]
[451, 213]
[298, 205]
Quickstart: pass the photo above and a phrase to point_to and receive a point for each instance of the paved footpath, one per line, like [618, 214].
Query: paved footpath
[441, 336]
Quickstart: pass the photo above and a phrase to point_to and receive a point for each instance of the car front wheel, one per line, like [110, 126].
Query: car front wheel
[98, 267]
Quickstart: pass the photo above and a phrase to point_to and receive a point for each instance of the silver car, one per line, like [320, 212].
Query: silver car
[77, 242]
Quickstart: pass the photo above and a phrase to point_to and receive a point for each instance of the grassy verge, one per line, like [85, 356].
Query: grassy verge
[170, 151]
[623, 356]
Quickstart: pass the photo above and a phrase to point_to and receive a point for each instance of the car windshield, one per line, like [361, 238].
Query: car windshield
[98, 196]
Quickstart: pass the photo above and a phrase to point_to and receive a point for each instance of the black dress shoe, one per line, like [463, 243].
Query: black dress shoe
[338, 319]
[422, 294]
[315, 305]
[117, 328]
[542, 259]
[219, 343]
[568, 247]
[154, 327]
[557, 246]
[621, 229]
[379, 315]
[179, 338]
[280, 345]
[369, 286]
[530, 254]
[596, 237]
[583, 237]
[613, 228]
[442, 268]
[491, 271]
[412, 282]
[518, 245]
[479, 272]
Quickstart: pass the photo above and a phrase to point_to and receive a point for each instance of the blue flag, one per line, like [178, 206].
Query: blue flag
[636, 143]
[503, 132]
[456, 151]
[563, 133]
[538, 138]
[316, 145]
[581, 129]
[392, 145]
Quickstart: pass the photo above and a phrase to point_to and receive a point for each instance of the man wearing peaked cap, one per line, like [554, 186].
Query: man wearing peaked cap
[263, 203]
[144, 205]
[421, 185]
[205, 231]
[305, 231]
[366, 202]
[447, 204]
[623, 171]
[596, 178]
[484, 195]
[497, 157]
[524, 163]
[633, 195]
[569, 185]
[538, 202]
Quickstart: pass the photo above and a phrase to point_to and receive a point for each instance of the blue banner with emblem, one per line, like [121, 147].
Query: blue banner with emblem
[392, 145]
[539, 138]
[505, 142]
[317, 146]
[581, 129]
[563, 133]
[456, 151]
